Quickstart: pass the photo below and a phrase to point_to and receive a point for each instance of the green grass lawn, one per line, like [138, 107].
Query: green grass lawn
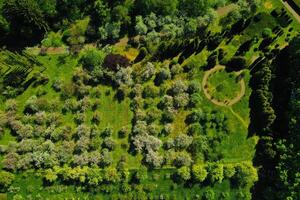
[30, 186]
[223, 86]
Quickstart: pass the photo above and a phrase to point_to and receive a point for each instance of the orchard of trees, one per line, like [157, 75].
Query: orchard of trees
[110, 101]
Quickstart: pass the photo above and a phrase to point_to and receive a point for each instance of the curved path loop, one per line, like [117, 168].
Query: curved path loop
[221, 103]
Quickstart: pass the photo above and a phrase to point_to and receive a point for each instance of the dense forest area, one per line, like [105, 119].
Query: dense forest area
[149, 99]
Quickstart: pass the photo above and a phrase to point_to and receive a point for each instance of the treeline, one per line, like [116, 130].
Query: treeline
[278, 149]
[27, 22]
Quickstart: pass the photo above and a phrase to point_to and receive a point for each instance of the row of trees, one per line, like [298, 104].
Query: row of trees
[240, 175]
[278, 150]
[31, 19]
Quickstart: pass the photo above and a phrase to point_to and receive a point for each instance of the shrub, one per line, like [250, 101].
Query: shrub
[31, 105]
[167, 129]
[106, 158]
[11, 105]
[57, 85]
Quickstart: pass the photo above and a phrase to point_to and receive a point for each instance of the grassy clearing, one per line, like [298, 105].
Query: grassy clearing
[223, 86]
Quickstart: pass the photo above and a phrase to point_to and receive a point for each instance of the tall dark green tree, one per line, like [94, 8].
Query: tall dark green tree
[26, 18]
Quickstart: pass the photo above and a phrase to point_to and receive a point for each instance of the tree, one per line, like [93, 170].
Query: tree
[245, 175]
[167, 7]
[150, 91]
[181, 100]
[195, 8]
[100, 13]
[148, 72]
[140, 175]
[110, 31]
[53, 39]
[237, 63]
[26, 19]
[178, 87]
[184, 173]
[6, 179]
[109, 144]
[76, 33]
[50, 176]
[182, 141]
[182, 159]
[111, 175]
[140, 27]
[153, 159]
[92, 59]
[106, 158]
[215, 172]
[199, 173]
[146, 143]
[191, 27]
[162, 75]
[209, 195]
[229, 171]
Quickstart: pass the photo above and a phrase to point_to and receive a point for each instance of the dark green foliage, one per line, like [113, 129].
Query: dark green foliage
[167, 7]
[261, 99]
[26, 18]
[236, 64]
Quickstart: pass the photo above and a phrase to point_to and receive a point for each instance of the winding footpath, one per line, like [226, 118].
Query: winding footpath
[220, 103]
[228, 104]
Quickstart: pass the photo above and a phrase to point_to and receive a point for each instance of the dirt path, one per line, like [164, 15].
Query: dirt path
[222, 11]
[239, 117]
[220, 103]
[294, 13]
